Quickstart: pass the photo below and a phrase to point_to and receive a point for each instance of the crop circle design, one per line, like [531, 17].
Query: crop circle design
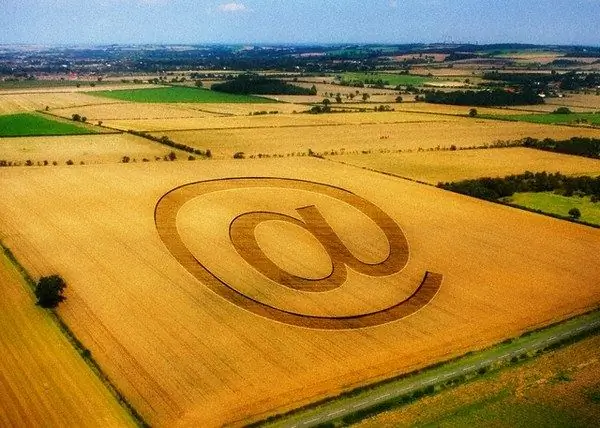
[241, 233]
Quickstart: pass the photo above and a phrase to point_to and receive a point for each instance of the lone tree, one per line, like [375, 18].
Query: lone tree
[473, 112]
[49, 291]
[574, 213]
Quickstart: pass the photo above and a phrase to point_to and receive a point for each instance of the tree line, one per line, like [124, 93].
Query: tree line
[246, 84]
[566, 81]
[493, 189]
[577, 146]
[487, 98]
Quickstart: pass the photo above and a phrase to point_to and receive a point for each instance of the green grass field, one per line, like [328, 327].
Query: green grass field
[549, 118]
[28, 124]
[557, 204]
[390, 79]
[179, 94]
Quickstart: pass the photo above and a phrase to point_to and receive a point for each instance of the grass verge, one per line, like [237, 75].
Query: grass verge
[406, 388]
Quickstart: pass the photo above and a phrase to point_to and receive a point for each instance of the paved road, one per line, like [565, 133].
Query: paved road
[338, 408]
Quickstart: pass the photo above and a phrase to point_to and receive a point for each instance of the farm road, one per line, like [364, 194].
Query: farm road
[469, 365]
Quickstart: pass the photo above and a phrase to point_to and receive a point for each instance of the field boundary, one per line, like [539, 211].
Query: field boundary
[506, 204]
[84, 352]
[396, 391]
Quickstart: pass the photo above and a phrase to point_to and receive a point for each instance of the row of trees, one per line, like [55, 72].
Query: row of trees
[251, 83]
[496, 97]
[565, 81]
[578, 146]
[496, 188]
[168, 142]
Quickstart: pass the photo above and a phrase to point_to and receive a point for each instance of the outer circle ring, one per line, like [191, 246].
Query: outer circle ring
[165, 215]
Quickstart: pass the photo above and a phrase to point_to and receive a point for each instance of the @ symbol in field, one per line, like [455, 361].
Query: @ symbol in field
[243, 238]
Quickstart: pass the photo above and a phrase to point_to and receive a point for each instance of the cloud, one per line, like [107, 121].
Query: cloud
[232, 7]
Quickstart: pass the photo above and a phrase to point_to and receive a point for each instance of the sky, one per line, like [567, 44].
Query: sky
[299, 21]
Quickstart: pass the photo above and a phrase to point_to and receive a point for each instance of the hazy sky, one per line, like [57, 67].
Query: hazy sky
[299, 21]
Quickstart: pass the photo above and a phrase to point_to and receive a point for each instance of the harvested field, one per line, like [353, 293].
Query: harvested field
[273, 121]
[549, 107]
[462, 132]
[98, 148]
[244, 109]
[557, 389]
[419, 107]
[573, 119]
[433, 167]
[132, 111]
[178, 94]
[589, 102]
[183, 354]
[44, 381]
[30, 101]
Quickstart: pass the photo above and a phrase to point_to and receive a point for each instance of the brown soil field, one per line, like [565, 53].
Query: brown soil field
[186, 355]
[272, 121]
[99, 148]
[43, 380]
[14, 103]
[555, 388]
[433, 167]
[462, 132]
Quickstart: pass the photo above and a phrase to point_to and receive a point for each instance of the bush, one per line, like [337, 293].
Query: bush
[239, 155]
[49, 291]
[473, 112]
[574, 213]
[562, 110]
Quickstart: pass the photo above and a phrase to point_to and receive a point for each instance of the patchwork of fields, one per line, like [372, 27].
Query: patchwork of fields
[138, 309]
[433, 167]
[443, 132]
[224, 291]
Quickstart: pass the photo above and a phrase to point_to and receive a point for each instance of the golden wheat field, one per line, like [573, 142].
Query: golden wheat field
[20, 102]
[161, 260]
[433, 167]
[444, 131]
[43, 380]
[420, 107]
[93, 148]
[130, 110]
[273, 121]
